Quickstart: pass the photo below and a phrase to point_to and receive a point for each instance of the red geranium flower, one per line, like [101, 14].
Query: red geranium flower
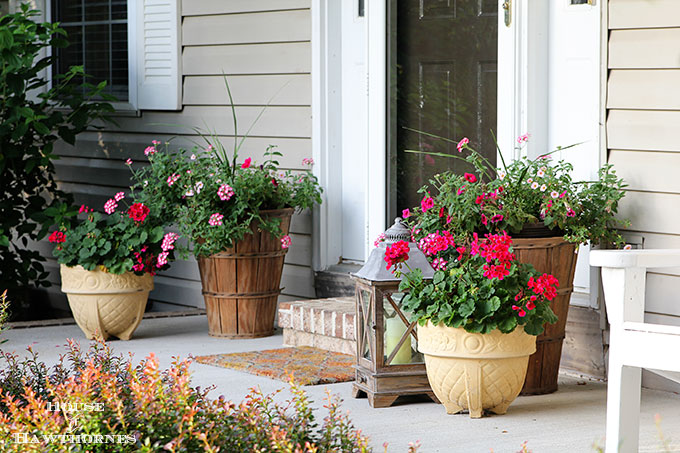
[396, 253]
[57, 237]
[138, 212]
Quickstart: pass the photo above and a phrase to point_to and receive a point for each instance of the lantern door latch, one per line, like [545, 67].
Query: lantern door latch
[507, 8]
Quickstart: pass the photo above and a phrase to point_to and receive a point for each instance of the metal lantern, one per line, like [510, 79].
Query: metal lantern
[388, 362]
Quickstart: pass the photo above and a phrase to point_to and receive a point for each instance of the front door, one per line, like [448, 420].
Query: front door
[443, 62]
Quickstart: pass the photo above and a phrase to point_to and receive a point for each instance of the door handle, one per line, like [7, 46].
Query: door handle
[507, 7]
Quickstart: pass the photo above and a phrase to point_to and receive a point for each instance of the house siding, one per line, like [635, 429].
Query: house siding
[643, 138]
[264, 48]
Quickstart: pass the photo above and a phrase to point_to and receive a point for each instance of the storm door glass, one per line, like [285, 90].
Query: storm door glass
[443, 61]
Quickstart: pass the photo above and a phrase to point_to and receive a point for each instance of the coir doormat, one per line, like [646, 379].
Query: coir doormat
[309, 366]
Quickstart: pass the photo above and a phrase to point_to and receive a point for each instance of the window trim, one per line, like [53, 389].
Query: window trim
[124, 108]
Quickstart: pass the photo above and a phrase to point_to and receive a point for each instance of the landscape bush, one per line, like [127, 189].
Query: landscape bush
[97, 401]
[33, 116]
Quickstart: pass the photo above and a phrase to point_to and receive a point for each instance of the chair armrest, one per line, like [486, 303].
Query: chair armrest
[635, 258]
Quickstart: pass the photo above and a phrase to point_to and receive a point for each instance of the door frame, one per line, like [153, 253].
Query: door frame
[522, 63]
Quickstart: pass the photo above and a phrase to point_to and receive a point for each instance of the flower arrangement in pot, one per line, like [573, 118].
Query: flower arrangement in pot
[478, 316]
[541, 213]
[237, 216]
[107, 263]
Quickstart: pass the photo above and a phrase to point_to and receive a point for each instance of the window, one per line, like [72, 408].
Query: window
[132, 44]
[98, 33]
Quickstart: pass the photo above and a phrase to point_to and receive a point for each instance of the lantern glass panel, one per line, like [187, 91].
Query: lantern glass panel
[365, 331]
[395, 328]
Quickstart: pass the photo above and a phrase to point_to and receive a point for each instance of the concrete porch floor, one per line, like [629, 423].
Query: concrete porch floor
[572, 419]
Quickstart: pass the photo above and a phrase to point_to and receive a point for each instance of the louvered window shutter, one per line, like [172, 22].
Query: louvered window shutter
[159, 78]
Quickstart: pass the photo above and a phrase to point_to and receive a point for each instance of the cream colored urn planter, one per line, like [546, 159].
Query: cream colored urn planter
[106, 304]
[473, 371]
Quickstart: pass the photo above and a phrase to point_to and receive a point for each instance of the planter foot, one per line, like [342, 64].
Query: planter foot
[501, 408]
[452, 408]
[381, 400]
[357, 392]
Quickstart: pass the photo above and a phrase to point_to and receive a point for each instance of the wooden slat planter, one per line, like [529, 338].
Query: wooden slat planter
[241, 284]
[552, 255]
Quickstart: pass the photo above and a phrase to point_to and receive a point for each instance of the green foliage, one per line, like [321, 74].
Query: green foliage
[192, 187]
[115, 241]
[4, 313]
[34, 115]
[527, 192]
[155, 410]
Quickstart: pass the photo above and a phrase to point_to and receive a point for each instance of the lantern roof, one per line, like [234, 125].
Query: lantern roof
[375, 268]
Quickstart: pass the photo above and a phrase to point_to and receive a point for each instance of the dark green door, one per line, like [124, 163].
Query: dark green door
[443, 81]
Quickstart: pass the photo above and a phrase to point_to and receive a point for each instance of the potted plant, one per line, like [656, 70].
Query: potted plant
[237, 216]
[107, 263]
[478, 317]
[547, 214]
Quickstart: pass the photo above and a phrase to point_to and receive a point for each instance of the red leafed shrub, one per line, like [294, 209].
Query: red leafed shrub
[96, 402]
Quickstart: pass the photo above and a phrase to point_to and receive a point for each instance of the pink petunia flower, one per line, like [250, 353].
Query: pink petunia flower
[246, 163]
[469, 177]
[426, 203]
[571, 213]
[462, 144]
[308, 161]
[406, 213]
[172, 179]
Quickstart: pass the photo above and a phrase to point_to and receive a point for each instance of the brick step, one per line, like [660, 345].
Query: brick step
[322, 323]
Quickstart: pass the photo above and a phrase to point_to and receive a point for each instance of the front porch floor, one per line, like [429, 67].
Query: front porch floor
[570, 420]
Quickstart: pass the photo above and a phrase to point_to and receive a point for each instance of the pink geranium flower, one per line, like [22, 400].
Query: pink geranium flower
[110, 206]
[225, 192]
[215, 219]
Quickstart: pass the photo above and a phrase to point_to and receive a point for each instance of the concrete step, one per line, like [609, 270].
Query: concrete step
[321, 323]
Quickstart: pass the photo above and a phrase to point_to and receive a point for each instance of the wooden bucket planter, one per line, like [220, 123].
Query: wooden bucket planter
[552, 255]
[241, 285]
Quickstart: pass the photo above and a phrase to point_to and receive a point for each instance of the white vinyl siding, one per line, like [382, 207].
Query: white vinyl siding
[271, 55]
[643, 137]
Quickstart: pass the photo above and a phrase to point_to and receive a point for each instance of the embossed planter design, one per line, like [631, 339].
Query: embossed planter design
[105, 304]
[472, 371]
